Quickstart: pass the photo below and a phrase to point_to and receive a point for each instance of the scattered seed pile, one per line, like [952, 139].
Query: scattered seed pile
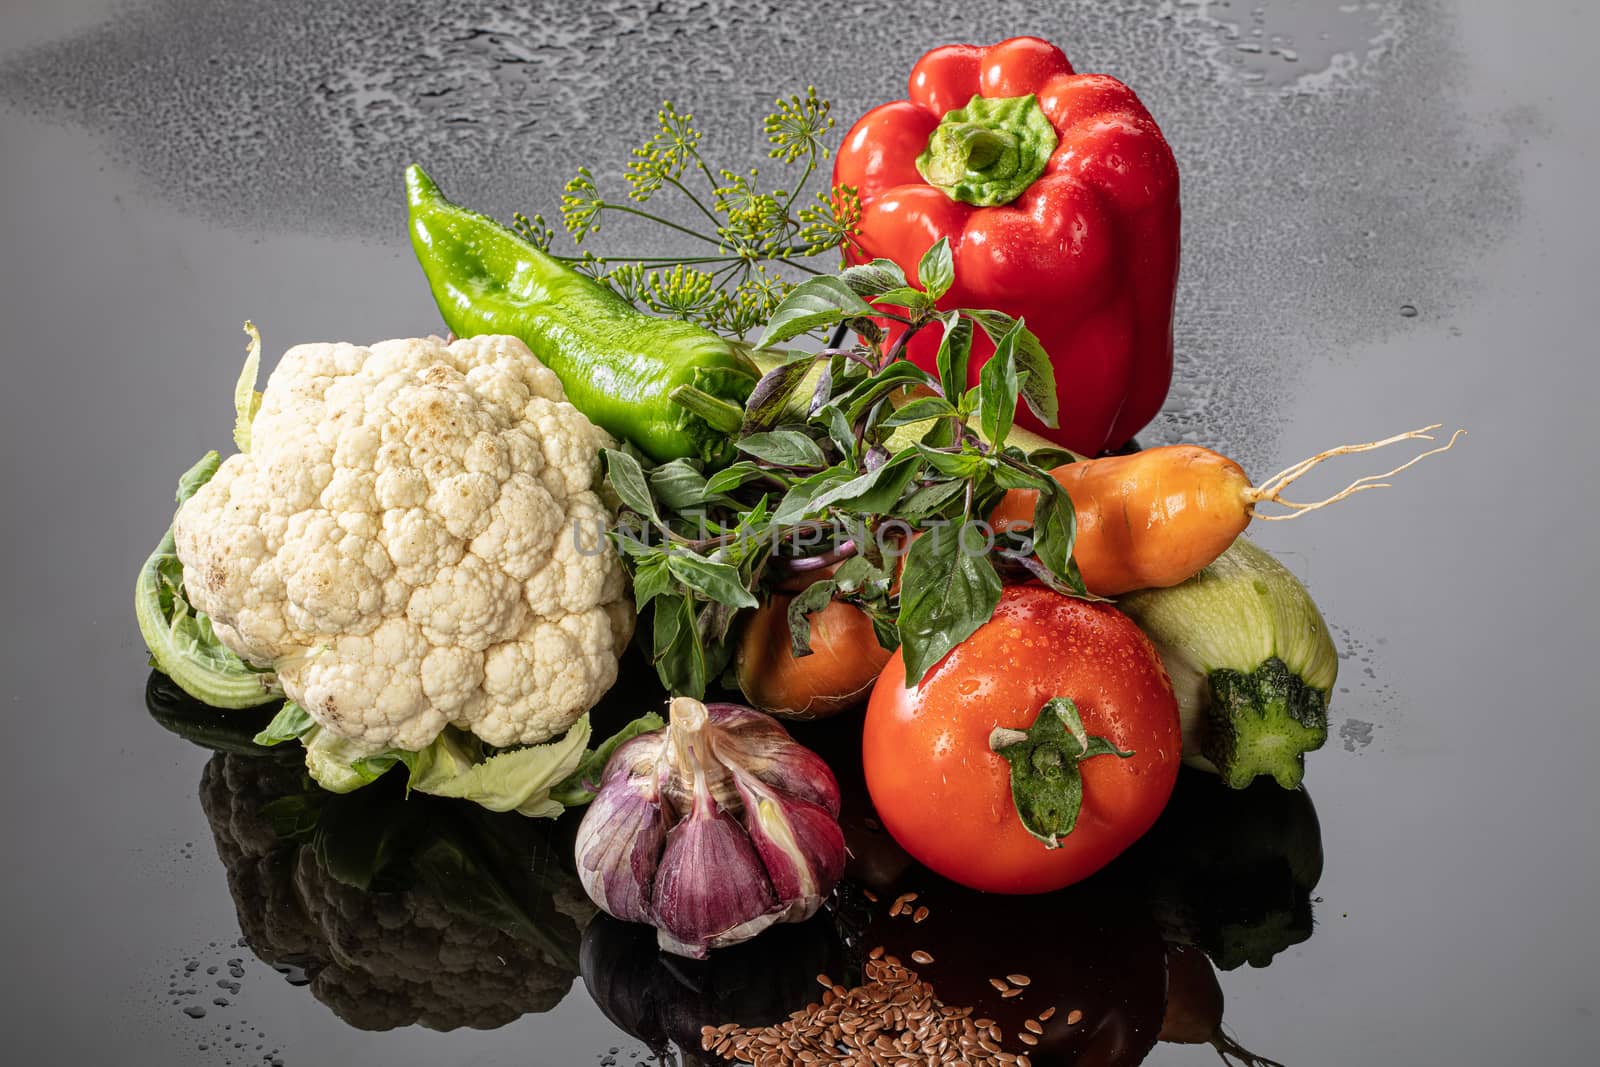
[892, 1019]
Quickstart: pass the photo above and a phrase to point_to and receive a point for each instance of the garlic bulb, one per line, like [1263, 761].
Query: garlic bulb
[712, 829]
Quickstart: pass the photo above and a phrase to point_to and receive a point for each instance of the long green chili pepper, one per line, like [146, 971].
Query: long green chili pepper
[671, 387]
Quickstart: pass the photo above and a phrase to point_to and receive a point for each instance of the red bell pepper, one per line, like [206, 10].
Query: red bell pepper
[1059, 197]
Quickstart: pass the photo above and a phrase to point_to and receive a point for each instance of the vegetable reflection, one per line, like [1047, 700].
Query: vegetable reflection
[422, 911]
[395, 911]
[1232, 871]
[664, 1000]
[1125, 959]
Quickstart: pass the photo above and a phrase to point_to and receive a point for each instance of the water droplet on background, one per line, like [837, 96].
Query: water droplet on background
[349, 89]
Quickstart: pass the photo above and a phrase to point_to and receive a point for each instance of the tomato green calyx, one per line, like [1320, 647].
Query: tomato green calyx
[1046, 782]
[990, 151]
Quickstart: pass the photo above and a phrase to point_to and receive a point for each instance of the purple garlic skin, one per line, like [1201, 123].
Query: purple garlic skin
[800, 845]
[709, 888]
[712, 829]
[620, 839]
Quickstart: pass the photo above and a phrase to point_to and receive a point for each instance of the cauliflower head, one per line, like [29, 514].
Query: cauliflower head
[412, 540]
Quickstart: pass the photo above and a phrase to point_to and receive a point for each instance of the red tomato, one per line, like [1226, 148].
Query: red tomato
[945, 795]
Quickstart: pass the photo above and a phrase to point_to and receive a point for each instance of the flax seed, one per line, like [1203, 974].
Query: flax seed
[1000, 984]
[921, 957]
[1019, 979]
[876, 954]
[1008, 994]
[1033, 1026]
[1046, 1015]
[1027, 1038]
[870, 895]
[919, 915]
[1074, 1017]
[894, 1018]
[1024, 1061]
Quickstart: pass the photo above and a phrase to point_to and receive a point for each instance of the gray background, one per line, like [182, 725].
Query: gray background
[168, 169]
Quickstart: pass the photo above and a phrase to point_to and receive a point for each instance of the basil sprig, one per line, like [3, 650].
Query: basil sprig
[858, 464]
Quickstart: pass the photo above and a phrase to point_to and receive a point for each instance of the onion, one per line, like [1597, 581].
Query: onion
[845, 660]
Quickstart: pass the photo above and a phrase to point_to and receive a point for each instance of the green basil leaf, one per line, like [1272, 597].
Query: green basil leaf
[814, 303]
[868, 330]
[896, 375]
[716, 581]
[955, 351]
[751, 541]
[823, 392]
[665, 623]
[906, 297]
[679, 657]
[840, 432]
[800, 500]
[769, 400]
[627, 478]
[734, 475]
[856, 573]
[997, 385]
[874, 492]
[813, 597]
[920, 410]
[1055, 529]
[678, 485]
[937, 271]
[1050, 457]
[787, 448]
[714, 622]
[885, 629]
[962, 465]
[651, 578]
[1039, 390]
[942, 433]
[930, 499]
[871, 279]
[1007, 476]
[948, 590]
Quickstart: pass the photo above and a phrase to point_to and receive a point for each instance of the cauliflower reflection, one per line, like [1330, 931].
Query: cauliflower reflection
[398, 912]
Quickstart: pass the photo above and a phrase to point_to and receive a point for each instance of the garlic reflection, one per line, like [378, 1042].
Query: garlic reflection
[712, 829]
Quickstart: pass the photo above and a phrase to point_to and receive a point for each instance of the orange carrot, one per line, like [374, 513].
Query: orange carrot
[1154, 518]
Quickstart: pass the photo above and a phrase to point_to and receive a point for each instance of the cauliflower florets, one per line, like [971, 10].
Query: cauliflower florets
[413, 540]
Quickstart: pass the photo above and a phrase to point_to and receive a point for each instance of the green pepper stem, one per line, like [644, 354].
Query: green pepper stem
[979, 146]
[719, 414]
[990, 151]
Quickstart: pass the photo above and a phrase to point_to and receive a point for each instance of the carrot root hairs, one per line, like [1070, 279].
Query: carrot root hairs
[1271, 491]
